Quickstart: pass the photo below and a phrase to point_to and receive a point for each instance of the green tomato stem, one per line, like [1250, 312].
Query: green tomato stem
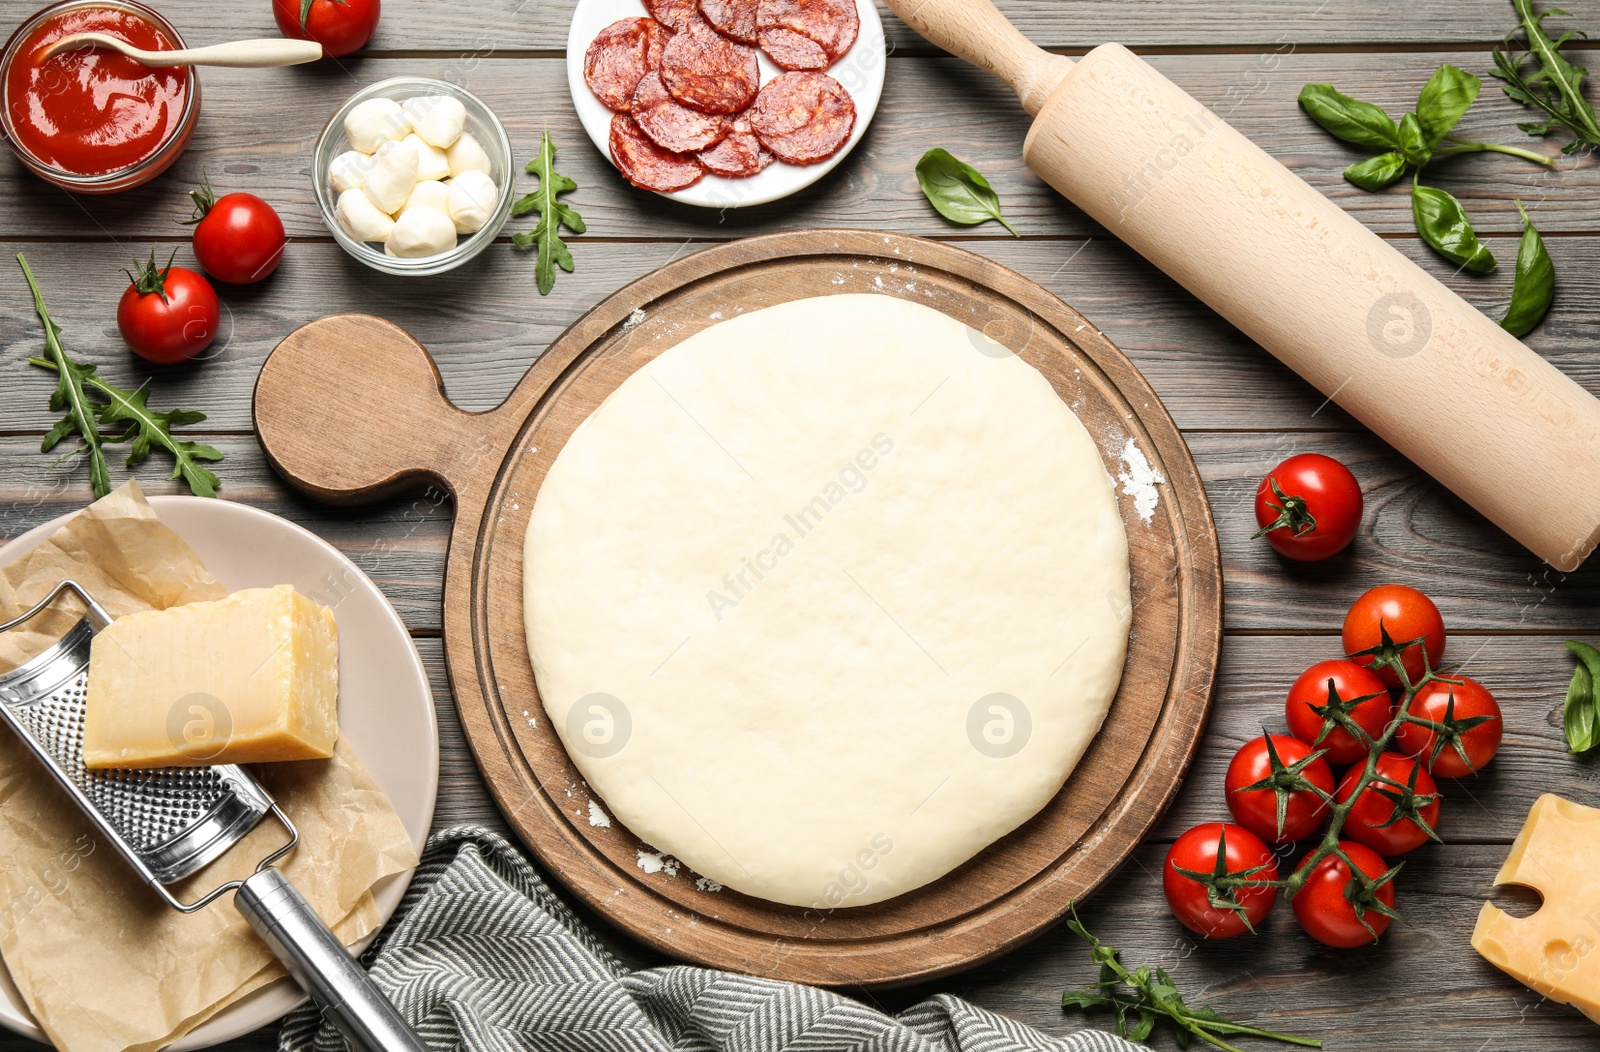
[1329, 844]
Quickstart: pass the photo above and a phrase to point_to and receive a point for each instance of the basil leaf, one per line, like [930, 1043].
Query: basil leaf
[1448, 95]
[1443, 224]
[1535, 284]
[1375, 173]
[1579, 717]
[1414, 141]
[1350, 119]
[958, 191]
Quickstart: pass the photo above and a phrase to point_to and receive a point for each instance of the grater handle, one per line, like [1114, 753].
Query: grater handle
[348, 997]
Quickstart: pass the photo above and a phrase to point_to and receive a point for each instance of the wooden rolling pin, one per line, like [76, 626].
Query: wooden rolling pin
[1445, 385]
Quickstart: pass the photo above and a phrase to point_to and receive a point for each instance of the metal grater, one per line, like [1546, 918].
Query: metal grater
[168, 823]
[171, 822]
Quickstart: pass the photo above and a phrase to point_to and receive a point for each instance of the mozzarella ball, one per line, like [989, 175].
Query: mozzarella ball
[429, 193]
[431, 161]
[391, 177]
[465, 155]
[375, 122]
[416, 107]
[437, 118]
[422, 232]
[362, 219]
[473, 196]
[348, 171]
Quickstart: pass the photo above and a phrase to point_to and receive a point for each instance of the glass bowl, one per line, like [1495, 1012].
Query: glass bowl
[136, 174]
[483, 126]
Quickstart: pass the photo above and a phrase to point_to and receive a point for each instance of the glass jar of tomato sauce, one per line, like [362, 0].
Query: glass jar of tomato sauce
[91, 120]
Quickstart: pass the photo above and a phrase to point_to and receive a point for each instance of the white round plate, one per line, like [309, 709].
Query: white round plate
[385, 705]
[860, 71]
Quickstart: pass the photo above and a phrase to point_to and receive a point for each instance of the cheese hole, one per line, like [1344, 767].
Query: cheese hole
[1517, 900]
[1561, 955]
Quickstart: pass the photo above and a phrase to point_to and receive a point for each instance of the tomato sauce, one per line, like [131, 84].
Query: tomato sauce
[92, 111]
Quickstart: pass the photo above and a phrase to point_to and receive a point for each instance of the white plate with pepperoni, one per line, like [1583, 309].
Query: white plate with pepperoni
[688, 97]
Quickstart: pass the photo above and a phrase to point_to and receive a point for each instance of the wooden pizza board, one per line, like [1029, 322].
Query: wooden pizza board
[351, 409]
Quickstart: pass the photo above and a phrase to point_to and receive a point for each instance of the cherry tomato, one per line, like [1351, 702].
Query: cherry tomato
[1197, 851]
[1322, 908]
[237, 238]
[340, 26]
[1406, 614]
[1349, 681]
[1366, 820]
[169, 315]
[1450, 704]
[1257, 809]
[1309, 507]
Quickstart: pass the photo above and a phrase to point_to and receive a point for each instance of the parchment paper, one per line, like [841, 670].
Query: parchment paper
[102, 962]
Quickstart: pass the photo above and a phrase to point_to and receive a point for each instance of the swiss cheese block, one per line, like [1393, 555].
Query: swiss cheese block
[1556, 950]
[247, 679]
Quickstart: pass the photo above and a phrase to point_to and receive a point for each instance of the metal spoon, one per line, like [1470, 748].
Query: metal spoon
[269, 51]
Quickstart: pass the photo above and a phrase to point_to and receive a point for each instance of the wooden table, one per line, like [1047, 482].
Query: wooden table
[1423, 987]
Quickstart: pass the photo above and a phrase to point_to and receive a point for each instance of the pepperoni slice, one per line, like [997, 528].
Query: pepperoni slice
[734, 18]
[790, 50]
[706, 71]
[623, 52]
[803, 117]
[674, 14]
[669, 123]
[807, 34]
[739, 155]
[646, 165]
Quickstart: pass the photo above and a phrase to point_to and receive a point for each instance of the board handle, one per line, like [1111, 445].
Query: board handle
[976, 31]
[351, 409]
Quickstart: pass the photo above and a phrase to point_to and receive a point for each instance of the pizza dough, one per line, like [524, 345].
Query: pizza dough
[827, 598]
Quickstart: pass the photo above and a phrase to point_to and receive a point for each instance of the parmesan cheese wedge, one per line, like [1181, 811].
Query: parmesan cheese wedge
[1556, 950]
[251, 678]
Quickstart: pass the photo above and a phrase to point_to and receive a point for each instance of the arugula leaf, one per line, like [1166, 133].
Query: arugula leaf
[1444, 225]
[958, 191]
[87, 414]
[82, 412]
[1350, 119]
[1444, 100]
[1378, 171]
[147, 427]
[1086, 999]
[553, 215]
[1555, 87]
[1140, 1029]
[1580, 716]
[1535, 283]
[1153, 996]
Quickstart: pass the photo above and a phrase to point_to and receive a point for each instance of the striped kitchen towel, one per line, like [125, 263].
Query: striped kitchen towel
[483, 957]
